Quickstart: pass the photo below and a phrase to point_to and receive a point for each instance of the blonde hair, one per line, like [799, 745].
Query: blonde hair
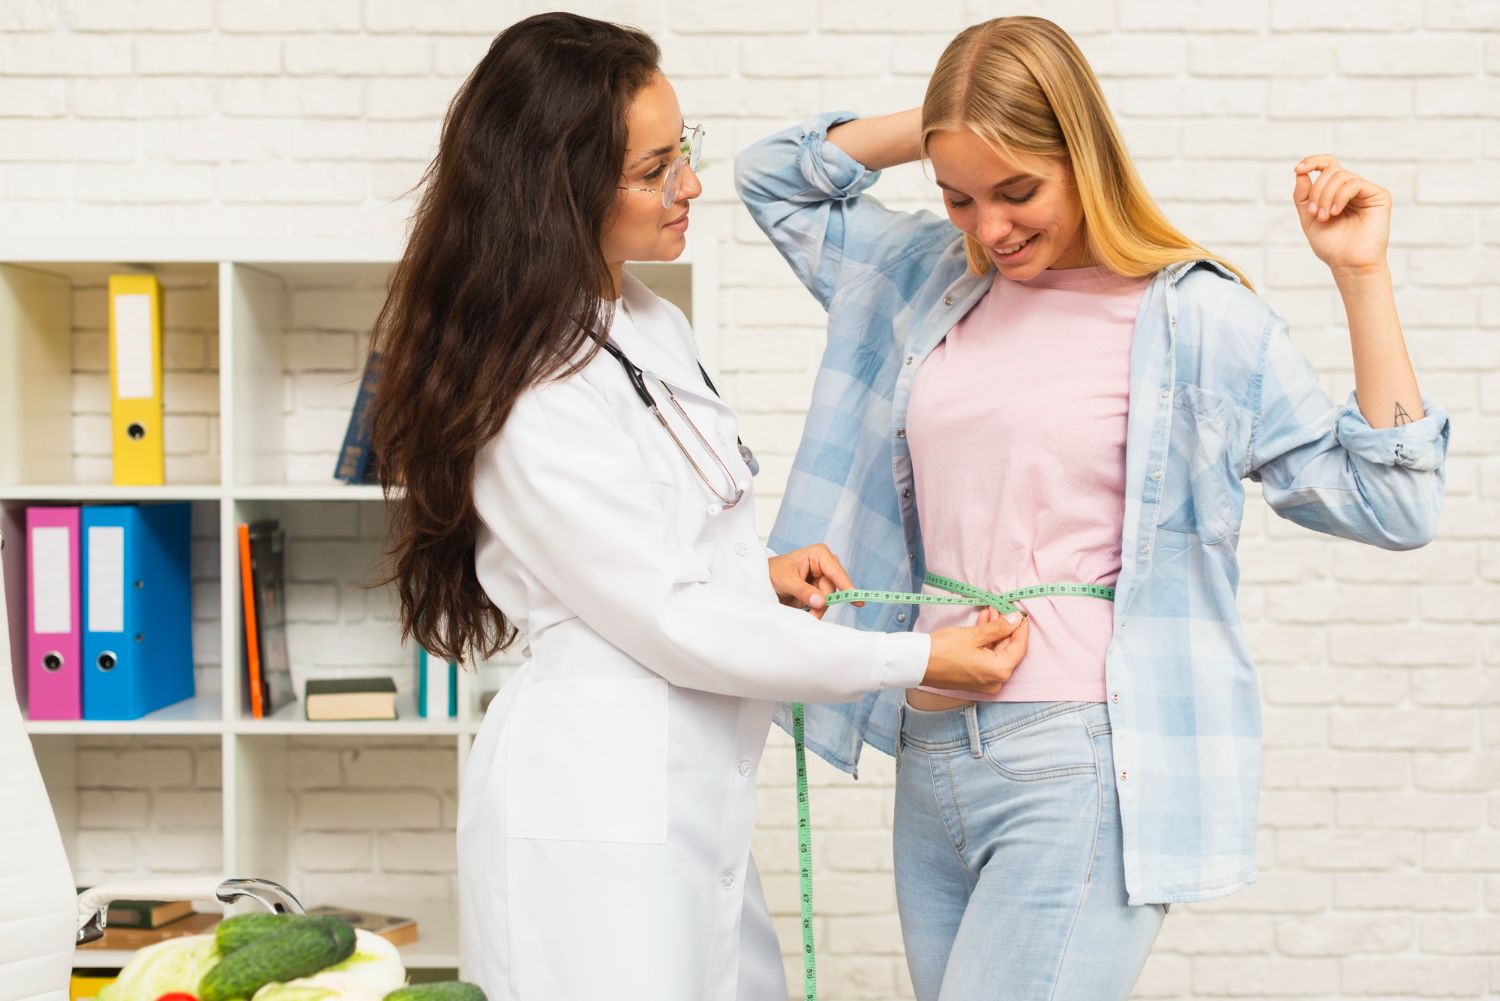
[1023, 87]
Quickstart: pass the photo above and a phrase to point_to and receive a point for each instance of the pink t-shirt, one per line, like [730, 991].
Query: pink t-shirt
[1017, 433]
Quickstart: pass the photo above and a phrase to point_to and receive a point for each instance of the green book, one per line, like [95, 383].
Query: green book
[350, 699]
[144, 913]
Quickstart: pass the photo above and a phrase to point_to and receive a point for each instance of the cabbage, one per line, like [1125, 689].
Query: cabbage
[370, 974]
[176, 964]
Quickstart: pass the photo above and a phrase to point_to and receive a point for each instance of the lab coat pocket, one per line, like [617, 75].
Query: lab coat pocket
[587, 761]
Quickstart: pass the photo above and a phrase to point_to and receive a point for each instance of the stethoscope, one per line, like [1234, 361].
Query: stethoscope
[638, 381]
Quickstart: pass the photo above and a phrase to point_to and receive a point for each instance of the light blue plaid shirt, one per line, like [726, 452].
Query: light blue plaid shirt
[1218, 392]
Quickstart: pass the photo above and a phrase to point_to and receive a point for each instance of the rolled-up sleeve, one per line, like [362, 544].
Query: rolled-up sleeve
[807, 195]
[1324, 467]
[1421, 445]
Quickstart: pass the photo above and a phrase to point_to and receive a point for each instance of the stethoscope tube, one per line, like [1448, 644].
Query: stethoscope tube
[638, 382]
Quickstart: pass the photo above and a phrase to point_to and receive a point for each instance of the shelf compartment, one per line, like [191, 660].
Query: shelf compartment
[54, 371]
[203, 713]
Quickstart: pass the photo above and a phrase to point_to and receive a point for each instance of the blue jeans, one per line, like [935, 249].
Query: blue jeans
[1009, 864]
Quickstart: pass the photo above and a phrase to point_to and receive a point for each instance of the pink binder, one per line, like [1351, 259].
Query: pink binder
[54, 629]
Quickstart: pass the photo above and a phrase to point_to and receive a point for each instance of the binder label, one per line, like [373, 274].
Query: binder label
[135, 366]
[106, 608]
[51, 573]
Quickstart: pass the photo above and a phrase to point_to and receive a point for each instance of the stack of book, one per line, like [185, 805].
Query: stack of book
[133, 924]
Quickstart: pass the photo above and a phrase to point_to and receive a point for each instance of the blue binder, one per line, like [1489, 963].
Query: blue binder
[137, 608]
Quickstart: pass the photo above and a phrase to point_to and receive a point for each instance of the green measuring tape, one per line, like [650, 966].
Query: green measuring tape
[804, 860]
[961, 594]
[968, 594]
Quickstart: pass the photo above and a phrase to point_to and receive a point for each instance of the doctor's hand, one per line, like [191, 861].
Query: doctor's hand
[803, 576]
[978, 658]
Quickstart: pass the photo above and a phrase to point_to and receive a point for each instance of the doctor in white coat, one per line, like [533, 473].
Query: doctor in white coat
[604, 510]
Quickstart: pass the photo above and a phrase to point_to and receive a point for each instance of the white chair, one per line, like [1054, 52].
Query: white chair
[38, 903]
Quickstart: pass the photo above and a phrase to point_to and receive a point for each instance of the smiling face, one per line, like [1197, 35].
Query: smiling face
[639, 229]
[1025, 214]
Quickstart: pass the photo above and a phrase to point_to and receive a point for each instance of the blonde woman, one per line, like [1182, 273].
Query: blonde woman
[1070, 392]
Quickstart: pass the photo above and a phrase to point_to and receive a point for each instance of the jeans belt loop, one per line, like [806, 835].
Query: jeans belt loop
[971, 718]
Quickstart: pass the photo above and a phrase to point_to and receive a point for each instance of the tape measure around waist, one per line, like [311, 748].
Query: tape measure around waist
[960, 594]
[968, 594]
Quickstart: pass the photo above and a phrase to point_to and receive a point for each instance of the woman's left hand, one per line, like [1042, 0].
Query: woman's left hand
[1347, 219]
[803, 576]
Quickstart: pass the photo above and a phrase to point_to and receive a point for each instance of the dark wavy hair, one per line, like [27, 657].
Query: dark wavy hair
[502, 280]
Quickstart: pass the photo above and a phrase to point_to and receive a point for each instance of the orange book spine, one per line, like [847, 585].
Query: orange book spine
[252, 640]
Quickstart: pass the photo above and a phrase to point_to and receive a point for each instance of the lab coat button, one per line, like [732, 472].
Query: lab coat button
[742, 550]
[745, 766]
[947, 300]
[1156, 473]
[728, 881]
[1166, 394]
[715, 510]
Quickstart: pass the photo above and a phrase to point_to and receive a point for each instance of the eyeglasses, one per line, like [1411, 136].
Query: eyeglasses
[689, 153]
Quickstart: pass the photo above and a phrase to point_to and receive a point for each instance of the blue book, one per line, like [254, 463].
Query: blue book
[356, 460]
[137, 608]
[437, 686]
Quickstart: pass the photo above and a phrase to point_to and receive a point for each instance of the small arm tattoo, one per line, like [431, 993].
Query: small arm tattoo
[1402, 417]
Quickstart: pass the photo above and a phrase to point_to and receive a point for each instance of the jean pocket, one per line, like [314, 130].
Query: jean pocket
[586, 760]
[1055, 744]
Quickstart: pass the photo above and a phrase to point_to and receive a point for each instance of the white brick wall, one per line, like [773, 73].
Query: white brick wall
[1381, 672]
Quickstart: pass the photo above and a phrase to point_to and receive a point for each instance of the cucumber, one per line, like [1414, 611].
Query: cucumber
[442, 990]
[235, 932]
[301, 948]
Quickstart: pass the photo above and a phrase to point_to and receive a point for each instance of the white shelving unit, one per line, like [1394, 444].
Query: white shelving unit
[252, 303]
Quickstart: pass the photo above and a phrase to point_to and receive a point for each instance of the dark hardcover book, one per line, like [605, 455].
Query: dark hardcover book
[356, 463]
[350, 699]
[395, 930]
[268, 677]
[144, 913]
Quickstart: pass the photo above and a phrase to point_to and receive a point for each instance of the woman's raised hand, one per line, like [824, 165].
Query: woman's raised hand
[1347, 219]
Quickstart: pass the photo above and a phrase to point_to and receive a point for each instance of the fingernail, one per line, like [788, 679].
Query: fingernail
[1014, 618]
[816, 601]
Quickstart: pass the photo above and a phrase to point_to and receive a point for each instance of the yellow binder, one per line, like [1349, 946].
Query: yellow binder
[135, 379]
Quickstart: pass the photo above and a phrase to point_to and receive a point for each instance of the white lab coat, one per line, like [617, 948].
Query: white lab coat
[607, 807]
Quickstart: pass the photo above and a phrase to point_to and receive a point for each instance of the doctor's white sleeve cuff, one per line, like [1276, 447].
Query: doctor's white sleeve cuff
[905, 659]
